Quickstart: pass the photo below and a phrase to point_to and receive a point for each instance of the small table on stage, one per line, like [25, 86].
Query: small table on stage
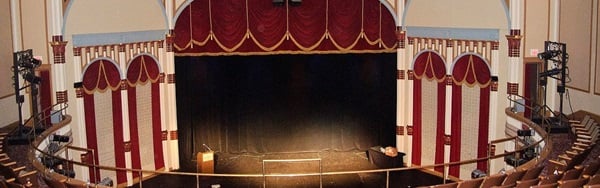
[377, 157]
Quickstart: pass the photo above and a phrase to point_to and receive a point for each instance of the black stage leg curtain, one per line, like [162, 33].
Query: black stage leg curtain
[285, 103]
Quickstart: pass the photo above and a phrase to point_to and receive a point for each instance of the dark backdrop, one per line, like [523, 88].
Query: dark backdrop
[285, 103]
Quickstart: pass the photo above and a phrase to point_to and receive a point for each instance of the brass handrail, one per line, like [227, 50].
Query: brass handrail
[34, 145]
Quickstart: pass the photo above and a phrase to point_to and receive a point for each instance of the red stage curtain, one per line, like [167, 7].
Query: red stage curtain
[455, 131]
[470, 70]
[141, 70]
[227, 27]
[429, 66]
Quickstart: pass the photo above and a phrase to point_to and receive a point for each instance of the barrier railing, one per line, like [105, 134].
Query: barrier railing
[35, 153]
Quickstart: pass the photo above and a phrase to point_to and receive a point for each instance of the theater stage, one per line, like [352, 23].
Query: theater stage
[331, 161]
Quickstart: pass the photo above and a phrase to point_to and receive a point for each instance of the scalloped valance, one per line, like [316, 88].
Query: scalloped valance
[142, 69]
[471, 69]
[430, 65]
[101, 75]
[247, 27]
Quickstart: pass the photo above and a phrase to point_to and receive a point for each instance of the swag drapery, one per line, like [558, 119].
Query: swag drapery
[234, 27]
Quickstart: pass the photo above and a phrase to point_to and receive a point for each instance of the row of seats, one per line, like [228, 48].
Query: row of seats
[11, 175]
[567, 171]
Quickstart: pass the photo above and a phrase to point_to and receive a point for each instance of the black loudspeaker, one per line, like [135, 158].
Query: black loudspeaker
[295, 2]
[477, 174]
[278, 2]
[524, 132]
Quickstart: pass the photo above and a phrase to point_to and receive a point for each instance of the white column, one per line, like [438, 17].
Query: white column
[493, 121]
[164, 110]
[409, 102]
[448, 104]
[122, 61]
[401, 78]
[78, 122]
[552, 84]
[172, 110]
[15, 17]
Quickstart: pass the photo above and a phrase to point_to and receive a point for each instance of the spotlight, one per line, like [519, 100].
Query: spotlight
[60, 138]
[30, 63]
[524, 132]
[295, 2]
[547, 55]
[106, 182]
[278, 3]
[477, 174]
[28, 76]
[551, 72]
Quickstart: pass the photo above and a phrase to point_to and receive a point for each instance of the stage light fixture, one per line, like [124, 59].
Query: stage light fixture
[524, 132]
[295, 2]
[551, 72]
[278, 3]
[547, 55]
[477, 174]
[60, 138]
[31, 78]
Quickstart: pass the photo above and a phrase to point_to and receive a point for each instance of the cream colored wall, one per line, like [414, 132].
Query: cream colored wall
[578, 29]
[463, 14]
[6, 55]
[535, 28]
[110, 16]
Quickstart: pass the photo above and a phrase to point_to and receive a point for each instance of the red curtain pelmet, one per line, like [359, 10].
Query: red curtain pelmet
[235, 27]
